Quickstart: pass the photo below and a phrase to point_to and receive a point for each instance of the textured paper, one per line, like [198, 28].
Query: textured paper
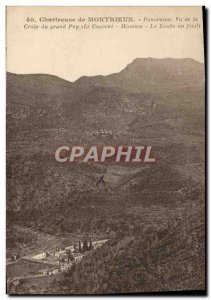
[105, 150]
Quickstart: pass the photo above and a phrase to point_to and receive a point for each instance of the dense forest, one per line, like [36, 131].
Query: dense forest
[161, 260]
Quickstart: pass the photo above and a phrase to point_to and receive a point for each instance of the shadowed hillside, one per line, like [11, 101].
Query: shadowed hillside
[157, 102]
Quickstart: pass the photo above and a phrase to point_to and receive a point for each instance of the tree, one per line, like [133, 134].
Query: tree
[91, 246]
[80, 248]
[69, 255]
[85, 246]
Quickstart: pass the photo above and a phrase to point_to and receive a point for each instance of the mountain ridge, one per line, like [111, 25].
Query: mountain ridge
[103, 76]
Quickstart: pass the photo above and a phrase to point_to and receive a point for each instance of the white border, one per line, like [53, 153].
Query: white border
[5, 3]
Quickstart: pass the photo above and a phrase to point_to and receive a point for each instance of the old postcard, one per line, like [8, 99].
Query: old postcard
[105, 150]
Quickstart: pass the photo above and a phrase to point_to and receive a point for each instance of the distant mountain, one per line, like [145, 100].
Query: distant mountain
[41, 82]
[103, 103]
[152, 75]
[141, 75]
[151, 211]
[158, 102]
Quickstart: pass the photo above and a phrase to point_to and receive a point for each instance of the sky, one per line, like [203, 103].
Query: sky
[72, 53]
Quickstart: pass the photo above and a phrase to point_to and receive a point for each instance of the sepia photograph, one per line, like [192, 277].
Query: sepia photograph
[105, 150]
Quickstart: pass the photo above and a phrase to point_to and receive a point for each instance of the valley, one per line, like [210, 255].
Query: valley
[151, 214]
